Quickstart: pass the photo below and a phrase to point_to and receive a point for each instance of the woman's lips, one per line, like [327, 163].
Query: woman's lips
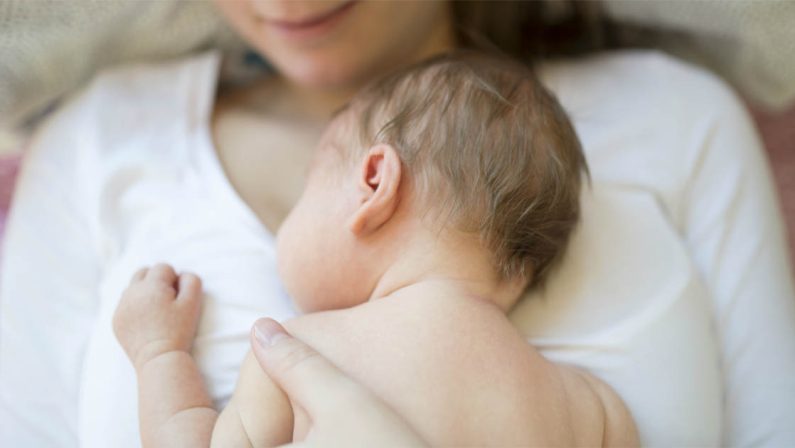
[312, 26]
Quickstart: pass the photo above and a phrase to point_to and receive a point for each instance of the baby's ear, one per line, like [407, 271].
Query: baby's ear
[378, 182]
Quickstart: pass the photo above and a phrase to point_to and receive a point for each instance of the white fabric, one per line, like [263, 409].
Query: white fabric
[676, 290]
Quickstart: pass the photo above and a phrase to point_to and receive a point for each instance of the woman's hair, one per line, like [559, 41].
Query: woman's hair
[487, 150]
[527, 30]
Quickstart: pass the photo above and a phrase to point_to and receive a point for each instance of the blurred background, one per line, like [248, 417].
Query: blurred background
[50, 48]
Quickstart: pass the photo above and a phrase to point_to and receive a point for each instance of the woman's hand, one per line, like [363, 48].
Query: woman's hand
[341, 411]
[158, 313]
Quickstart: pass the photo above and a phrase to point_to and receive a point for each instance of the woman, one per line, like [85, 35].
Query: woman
[147, 165]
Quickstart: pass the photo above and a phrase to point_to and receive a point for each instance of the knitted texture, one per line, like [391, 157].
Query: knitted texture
[49, 48]
[750, 43]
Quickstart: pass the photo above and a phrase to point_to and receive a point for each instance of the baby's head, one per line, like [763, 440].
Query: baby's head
[465, 144]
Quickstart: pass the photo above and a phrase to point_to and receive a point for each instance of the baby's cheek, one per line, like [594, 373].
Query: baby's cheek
[287, 249]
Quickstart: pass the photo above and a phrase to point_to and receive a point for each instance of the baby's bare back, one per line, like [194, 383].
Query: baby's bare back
[458, 372]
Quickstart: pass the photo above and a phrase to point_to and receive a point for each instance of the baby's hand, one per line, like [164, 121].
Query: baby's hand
[158, 313]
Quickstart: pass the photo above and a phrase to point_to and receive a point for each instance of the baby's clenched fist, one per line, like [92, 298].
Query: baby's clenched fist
[158, 313]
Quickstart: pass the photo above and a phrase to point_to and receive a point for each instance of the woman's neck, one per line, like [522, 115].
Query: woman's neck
[320, 103]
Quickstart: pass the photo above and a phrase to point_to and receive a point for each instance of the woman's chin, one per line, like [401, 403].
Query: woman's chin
[321, 74]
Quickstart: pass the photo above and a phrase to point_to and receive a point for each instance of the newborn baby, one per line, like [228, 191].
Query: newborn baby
[436, 197]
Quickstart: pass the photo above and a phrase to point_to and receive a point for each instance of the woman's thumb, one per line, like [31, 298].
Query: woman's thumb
[268, 332]
[305, 376]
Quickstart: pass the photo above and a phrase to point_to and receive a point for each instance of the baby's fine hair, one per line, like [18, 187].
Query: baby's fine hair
[486, 146]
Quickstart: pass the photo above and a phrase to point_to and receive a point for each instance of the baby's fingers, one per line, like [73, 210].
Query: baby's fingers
[190, 287]
[189, 297]
[162, 272]
[139, 275]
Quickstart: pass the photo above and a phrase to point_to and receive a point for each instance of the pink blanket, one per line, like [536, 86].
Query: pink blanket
[778, 133]
[8, 172]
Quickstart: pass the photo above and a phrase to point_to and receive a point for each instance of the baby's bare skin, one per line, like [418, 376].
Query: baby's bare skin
[453, 367]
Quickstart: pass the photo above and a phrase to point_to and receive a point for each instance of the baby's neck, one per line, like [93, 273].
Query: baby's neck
[460, 266]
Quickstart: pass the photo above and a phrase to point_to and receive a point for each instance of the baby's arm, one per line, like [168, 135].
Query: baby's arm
[155, 323]
[259, 413]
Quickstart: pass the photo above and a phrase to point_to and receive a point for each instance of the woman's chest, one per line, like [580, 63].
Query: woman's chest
[265, 160]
